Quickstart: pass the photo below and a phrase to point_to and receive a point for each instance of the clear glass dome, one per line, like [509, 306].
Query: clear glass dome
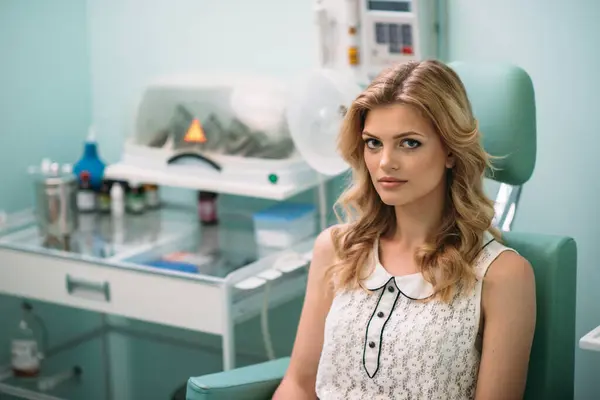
[233, 119]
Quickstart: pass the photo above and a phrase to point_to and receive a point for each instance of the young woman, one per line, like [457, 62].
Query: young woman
[414, 297]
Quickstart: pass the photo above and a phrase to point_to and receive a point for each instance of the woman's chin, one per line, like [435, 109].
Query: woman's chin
[392, 200]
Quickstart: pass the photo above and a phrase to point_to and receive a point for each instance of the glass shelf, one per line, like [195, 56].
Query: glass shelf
[165, 241]
[214, 251]
[101, 236]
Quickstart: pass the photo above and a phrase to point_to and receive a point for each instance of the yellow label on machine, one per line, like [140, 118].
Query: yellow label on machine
[353, 56]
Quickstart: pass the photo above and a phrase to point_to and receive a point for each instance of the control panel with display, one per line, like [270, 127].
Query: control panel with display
[367, 36]
[395, 31]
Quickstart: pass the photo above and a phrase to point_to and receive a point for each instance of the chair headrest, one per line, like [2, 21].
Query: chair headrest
[503, 102]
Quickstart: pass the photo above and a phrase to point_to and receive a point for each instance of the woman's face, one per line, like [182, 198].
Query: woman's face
[404, 154]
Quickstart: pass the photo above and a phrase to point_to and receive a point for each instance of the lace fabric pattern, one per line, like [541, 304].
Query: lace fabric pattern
[383, 344]
[427, 350]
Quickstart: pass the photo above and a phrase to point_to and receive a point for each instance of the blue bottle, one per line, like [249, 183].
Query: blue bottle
[90, 161]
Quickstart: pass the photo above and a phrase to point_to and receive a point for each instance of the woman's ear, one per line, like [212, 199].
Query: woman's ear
[450, 160]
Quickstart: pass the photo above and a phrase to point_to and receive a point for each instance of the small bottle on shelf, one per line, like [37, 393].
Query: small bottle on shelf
[90, 161]
[136, 203]
[117, 201]
[207, 208]
[86, 197]
[26, 344]
[103, 196]
[152, 196]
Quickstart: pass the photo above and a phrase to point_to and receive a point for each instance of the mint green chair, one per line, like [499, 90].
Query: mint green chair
[503, 101]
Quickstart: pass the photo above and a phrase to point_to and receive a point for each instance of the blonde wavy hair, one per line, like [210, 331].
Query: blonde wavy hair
[446, 261]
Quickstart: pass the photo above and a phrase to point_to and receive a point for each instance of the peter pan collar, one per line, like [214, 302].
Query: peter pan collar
[413, 286]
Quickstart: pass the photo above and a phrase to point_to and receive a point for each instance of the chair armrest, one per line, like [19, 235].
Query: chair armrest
[255, 382]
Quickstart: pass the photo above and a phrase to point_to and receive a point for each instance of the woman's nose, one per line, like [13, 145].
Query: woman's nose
[387, 161]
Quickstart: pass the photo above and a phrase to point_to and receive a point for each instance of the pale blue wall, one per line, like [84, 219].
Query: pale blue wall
[555, 42]
[45, 94]
[45, 108]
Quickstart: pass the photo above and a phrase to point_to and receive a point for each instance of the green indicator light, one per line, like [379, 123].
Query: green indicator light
[273, 178]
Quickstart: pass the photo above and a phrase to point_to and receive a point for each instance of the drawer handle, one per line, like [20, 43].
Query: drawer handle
[87, 289]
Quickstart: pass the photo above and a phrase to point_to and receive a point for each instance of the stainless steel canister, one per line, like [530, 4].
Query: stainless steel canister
[56, 205]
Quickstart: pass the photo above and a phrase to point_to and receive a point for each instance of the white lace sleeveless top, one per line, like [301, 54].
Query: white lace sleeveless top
[384, 344]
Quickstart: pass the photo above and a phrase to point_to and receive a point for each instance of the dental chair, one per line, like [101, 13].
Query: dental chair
[503, 101]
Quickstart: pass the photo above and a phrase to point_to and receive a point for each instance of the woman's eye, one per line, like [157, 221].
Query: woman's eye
[410, 143]
[373, 143]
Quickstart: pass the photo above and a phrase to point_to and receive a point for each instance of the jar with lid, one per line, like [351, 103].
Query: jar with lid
[207, 208]
[135, 200]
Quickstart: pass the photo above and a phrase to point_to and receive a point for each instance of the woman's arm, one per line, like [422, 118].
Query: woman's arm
[509, 312]
[299, 380]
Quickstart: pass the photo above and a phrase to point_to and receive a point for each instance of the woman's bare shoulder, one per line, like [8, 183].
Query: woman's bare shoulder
[325, 249]
[510, 270]
[324, 244]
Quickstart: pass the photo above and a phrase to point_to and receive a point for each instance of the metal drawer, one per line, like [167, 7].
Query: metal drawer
[138, 294]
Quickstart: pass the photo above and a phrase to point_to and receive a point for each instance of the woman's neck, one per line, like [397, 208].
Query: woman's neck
[418, 221]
